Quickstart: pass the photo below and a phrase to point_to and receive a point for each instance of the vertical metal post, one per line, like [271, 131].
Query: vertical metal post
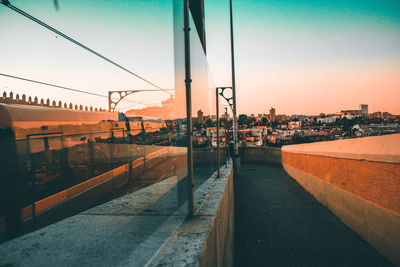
[234, 126]
[188, 81]
[109, 101]
[33, 181]
[217, 102]
[226, 136]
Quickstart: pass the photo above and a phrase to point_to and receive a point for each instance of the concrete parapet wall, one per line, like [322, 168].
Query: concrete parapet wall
[384, 148]
[261, 155]
[218, 249]
[208, 238]
[377, 182]
[358, 180]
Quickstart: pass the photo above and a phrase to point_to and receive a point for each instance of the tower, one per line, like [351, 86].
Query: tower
[364, 108]
[272, 114]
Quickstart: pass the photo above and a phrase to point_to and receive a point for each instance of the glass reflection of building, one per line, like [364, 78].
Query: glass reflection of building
[55, 150]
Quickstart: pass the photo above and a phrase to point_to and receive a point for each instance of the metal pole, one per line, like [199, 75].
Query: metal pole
[188, 81]
[234, 126]
[218, 163]
[109, 100]
[226, 136]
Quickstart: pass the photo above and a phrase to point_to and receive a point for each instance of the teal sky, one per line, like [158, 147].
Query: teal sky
[136, 34]
[310, 56]
[297, 56]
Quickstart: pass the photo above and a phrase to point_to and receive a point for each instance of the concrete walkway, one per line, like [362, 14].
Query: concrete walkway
[279, 224]
[126, 231]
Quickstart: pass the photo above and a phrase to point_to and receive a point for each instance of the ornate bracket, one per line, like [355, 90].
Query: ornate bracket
[223, 91]
[119, 95]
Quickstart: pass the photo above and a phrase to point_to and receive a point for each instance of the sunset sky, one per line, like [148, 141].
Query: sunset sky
[300, 57]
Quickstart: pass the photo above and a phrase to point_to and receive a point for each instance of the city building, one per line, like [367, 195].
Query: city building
[294, 125]
[353, 112]
[362, 111]
[200, 117]
[272, 114]
[281, 118]
[364, 108]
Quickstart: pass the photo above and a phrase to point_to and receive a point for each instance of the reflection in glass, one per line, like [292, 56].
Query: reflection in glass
[52, 155]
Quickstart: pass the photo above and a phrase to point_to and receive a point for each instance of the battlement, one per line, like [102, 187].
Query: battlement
[24, 100]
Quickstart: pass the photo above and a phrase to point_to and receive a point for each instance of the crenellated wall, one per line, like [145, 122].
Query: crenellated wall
[24, 100]
[358, 180]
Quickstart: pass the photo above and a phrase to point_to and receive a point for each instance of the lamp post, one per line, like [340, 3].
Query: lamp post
[217, 102]
[234, 126]
[224, 93]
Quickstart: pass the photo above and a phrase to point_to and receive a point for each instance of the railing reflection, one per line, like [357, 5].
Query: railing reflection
[60, 154]
[56, 151]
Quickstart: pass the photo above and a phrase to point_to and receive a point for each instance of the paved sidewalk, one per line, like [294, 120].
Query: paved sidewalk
[126, 231]
[279, 224]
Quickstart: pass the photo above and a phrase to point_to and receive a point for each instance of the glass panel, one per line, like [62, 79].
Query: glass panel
[203, 98]
[203, 110]
[68, 151]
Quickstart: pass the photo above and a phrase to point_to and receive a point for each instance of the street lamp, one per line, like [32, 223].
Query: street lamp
[234, 126]
[221, 91]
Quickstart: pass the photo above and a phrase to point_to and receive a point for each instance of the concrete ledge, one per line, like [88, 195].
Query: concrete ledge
[384, 148]
[207, 239]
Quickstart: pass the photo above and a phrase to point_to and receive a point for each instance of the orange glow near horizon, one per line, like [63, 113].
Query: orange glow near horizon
[328, 89]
